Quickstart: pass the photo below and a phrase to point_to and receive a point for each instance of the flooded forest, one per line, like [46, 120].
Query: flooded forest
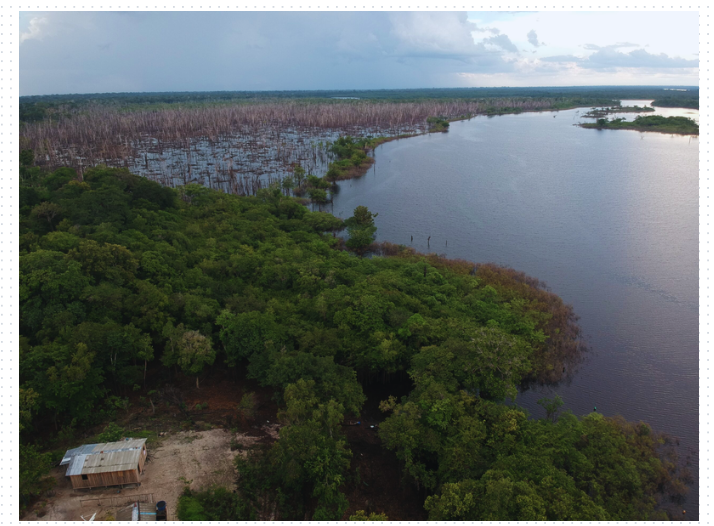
[240, 146]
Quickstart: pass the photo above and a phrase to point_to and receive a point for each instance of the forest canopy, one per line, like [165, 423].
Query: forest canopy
[118, 273]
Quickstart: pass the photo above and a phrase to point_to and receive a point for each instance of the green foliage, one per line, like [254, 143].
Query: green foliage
[361, 230]
[33, 470]
[27, 157]
[247, 406]
[551, 407]
[38, 107]
[437, 124]
[487, 461]
[351, 153]
[111, 433]
[682, 101]
[126, 273]
[309, 459]
[215, 503]
[656, 123]
[361, 515]
[190, 350]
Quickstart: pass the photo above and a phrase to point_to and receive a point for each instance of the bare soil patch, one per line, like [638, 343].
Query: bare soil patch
[201, 458]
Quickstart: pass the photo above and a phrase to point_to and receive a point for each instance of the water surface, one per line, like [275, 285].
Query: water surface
[608, 218]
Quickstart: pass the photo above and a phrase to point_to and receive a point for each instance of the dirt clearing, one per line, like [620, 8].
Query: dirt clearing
[201, 458]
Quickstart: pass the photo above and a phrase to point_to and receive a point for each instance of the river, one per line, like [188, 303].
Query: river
[607, 218]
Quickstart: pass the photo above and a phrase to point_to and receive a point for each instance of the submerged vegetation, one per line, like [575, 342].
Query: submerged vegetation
[240, 144]
[119, 274]
[654, 123]
[596, 113]
[215, 144]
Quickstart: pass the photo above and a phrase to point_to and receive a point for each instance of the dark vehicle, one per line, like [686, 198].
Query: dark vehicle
[161, 511]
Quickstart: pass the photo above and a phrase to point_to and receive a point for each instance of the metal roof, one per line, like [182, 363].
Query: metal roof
[75, 465]
[106, 462]
[81, 450]
[105, 457]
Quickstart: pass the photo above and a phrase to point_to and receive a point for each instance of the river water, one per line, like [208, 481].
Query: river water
[607, 218]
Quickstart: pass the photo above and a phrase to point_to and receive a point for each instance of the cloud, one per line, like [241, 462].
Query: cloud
[533, 38]
[593, 47]
[492, 30]
[426, 34]
[562, 58]
[639, 58]
[608, 57]
[503, 42]
[312, 50]
[34, 31]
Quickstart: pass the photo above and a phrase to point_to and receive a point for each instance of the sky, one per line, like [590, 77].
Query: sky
[100, 52]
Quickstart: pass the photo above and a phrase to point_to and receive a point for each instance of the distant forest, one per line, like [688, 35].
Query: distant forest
[37, 107]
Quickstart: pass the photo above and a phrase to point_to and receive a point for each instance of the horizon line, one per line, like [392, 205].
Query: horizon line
[364, 89]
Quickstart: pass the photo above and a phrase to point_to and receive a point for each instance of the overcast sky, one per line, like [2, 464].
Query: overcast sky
[92, 52]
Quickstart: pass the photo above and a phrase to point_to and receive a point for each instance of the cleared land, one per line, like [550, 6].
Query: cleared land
[202, 457]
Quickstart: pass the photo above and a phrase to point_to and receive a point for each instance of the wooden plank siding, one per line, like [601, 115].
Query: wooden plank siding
[111, 478]
[142, 459]
[115, 478]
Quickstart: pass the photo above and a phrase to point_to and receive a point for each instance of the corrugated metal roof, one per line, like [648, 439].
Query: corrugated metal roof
[81, 450]
[105, 457]
[75, 465]
[106, 462]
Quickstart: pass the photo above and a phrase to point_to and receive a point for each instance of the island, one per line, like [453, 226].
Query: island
[597, 113]
[650, 123]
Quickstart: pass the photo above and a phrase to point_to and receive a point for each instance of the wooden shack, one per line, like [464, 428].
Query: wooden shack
[106, 464]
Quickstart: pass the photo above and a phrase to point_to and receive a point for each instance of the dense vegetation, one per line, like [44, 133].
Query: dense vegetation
[681, 101]
[438, 124]
[119, 275]
[584, 92]
[654, 123]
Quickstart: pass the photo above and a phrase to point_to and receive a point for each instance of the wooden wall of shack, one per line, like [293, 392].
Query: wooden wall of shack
[110, 478]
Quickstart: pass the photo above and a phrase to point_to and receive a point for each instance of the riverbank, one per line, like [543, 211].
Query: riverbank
[440, 125]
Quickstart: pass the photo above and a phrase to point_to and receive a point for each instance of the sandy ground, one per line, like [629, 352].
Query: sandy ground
[201, 457]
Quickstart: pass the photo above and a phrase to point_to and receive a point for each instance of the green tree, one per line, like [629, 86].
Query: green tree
[299, 174]
[190, 350]
[27, 157]
[47, 211]
[33, 470]
[318, 195]
[309, 460]
[361, 230]
[288, 184]
[361, 217]
[551, 406]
